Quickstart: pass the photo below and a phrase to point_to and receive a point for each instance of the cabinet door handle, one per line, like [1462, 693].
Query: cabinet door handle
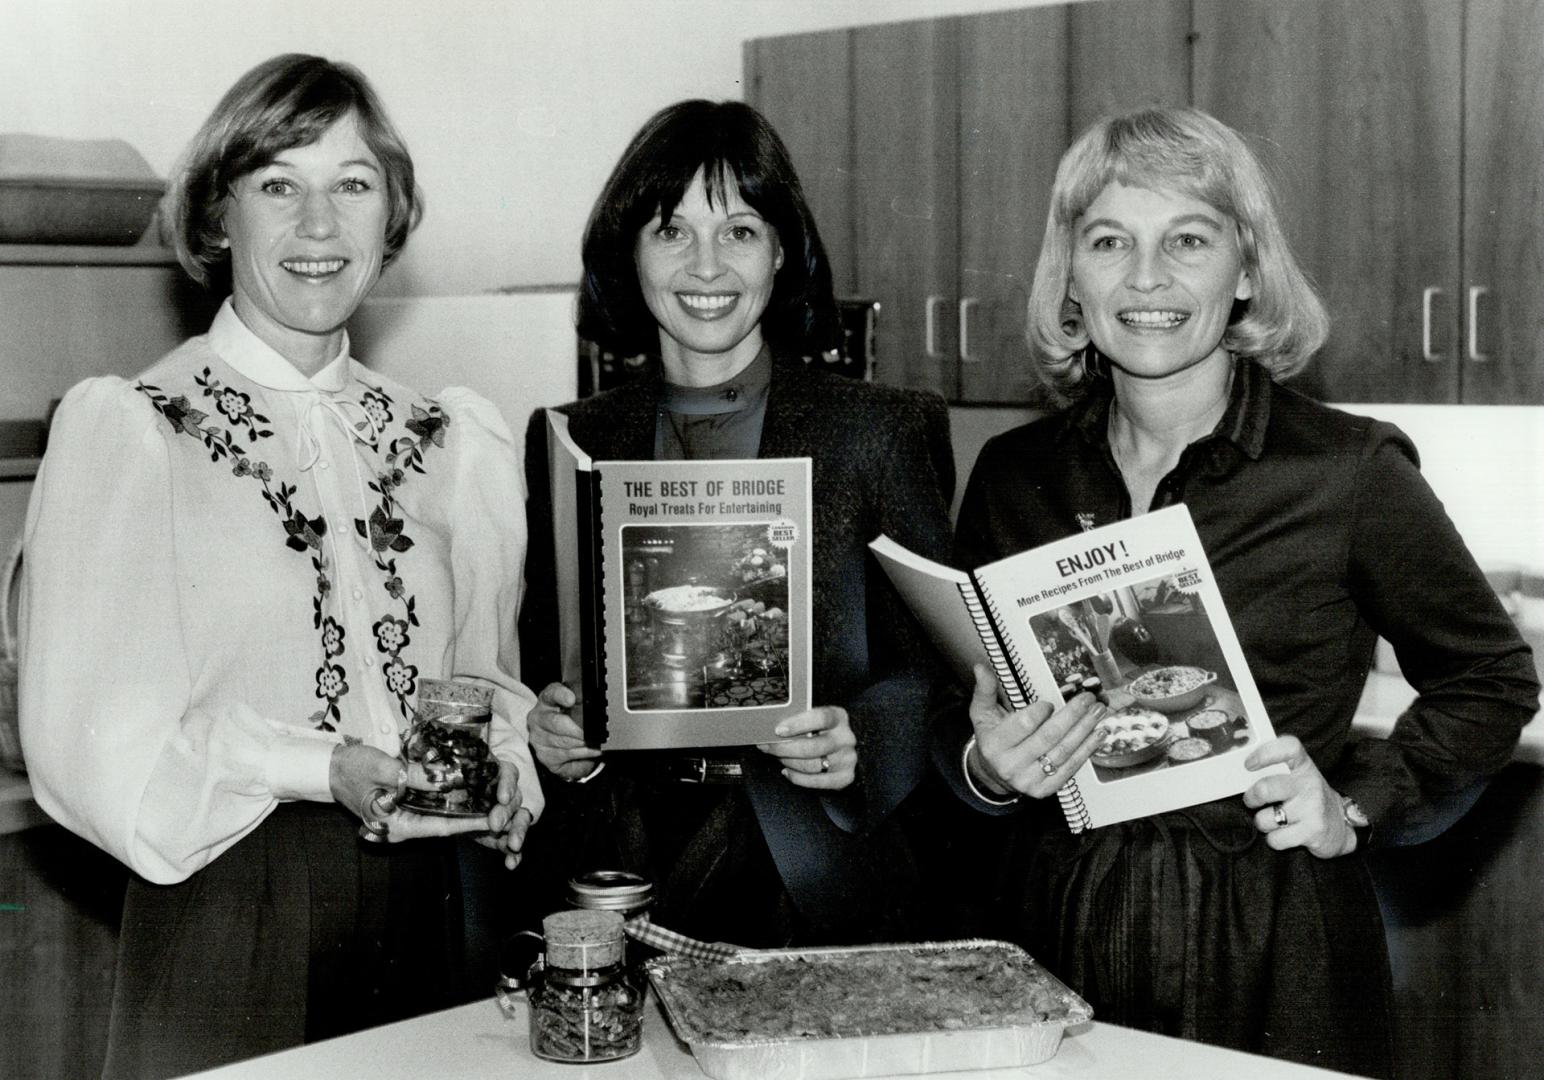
[930, 327]
[1475, 292]
[965, 306]
[1428, 294]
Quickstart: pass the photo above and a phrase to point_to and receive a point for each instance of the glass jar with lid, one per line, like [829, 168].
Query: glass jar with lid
[585, 1003]
[448, 742]
[629, 895]
[621, 891]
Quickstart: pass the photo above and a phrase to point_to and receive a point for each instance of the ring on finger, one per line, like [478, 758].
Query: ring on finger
[374, 830]
[379, 805]
[1279, 815]
[1047, 766]
[825, 765]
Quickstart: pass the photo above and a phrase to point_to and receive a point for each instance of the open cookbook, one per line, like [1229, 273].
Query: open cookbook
[1130, 612]
[683, 595]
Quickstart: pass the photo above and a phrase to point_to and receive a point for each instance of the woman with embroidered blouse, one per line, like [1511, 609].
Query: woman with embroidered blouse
[240, 566]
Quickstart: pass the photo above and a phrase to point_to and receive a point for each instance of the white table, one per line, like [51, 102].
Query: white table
[476, 1042]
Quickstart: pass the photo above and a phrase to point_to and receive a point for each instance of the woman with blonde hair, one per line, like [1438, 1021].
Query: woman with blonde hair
[1283, 325]
[1165, 308]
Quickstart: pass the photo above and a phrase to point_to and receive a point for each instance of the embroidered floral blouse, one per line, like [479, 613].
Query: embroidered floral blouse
[230, 567]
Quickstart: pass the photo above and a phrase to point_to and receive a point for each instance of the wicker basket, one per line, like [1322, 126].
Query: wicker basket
[10, 736]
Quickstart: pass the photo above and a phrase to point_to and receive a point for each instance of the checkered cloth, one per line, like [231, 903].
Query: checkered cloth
[641, 929]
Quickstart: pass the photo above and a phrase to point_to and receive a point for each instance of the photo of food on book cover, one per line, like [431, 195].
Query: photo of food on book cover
[706, 616]
[684, 593]
[1148, 651]
[1129, 612]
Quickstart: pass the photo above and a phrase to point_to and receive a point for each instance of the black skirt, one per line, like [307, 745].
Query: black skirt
[299, 932]
[1190, 925]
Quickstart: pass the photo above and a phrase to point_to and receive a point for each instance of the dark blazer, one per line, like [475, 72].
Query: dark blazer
[882, 462]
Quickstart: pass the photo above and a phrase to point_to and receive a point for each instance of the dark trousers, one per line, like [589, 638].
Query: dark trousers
[299, 932]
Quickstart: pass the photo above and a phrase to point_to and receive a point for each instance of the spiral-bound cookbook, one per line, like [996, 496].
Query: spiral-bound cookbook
[683, 595]
[1129, 612]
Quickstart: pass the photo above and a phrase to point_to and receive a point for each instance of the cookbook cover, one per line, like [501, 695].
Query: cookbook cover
[683, 595]
[1129, 612]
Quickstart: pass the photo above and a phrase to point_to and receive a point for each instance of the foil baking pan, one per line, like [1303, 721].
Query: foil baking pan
[846, 1022]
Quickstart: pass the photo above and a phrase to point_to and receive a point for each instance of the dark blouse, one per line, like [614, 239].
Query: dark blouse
[1323, 536]
[722, 421]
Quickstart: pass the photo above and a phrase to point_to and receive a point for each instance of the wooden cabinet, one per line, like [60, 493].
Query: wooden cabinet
[1012, 80]
[1503, 203]
[1406, 138]
[928, 150]
[1353, 109]
[808, 76]
[1029, 81]
[905, 196]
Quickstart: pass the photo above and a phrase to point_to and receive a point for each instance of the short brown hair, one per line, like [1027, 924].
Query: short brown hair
[287, 101]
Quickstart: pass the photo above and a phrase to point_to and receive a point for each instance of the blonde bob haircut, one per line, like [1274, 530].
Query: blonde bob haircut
[284, 102]
[1184, 150]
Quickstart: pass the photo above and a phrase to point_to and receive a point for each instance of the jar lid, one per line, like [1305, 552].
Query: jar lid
[610, 890]
[454, 701]
[462, 692]
[581, 940]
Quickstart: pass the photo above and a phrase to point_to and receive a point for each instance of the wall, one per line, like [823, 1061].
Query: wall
[1486, 464]
[515, 109]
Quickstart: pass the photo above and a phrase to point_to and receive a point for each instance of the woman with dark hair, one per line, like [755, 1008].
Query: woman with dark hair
[702, 252]
[727, 142]
[273, 546]
[1165, 307]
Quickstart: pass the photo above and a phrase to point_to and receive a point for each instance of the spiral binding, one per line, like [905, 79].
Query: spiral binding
[1009, 667]
[1073, 807]
[1004, 657]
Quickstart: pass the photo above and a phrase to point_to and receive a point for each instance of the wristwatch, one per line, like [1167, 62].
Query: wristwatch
[1356, 817]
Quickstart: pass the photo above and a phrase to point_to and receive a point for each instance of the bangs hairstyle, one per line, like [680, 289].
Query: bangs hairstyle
[1184, 150]
[735, 149]
[288, 101]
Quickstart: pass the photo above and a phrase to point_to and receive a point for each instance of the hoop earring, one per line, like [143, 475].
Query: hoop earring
[1095, 364]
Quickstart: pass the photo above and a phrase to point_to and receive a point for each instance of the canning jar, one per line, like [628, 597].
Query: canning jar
[448, 739]
[629, 895]
[626, 893]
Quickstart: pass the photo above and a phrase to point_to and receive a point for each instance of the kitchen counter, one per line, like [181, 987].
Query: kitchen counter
[476, 1042]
